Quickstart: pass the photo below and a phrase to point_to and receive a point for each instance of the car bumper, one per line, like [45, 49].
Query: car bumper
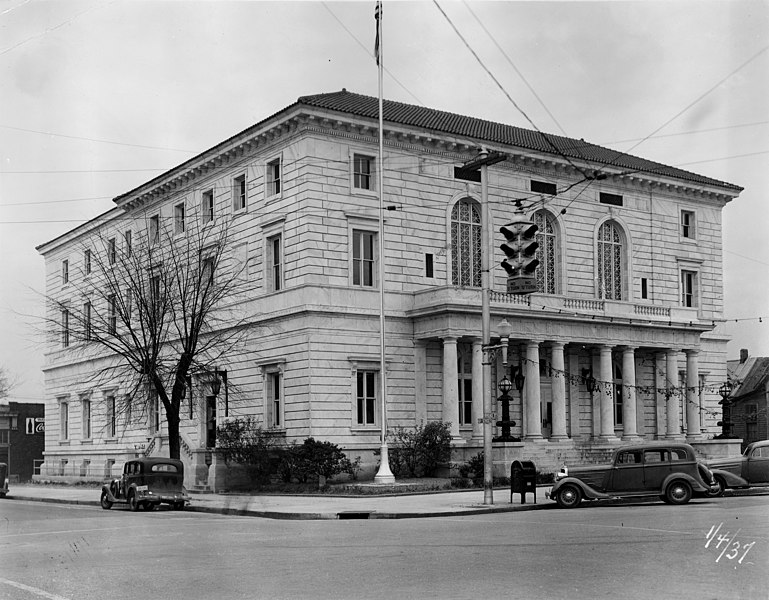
[161, 498]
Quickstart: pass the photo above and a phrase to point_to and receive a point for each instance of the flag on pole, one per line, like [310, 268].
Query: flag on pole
[377, 17]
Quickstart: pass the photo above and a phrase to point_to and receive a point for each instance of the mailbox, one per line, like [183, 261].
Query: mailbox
[523, 479]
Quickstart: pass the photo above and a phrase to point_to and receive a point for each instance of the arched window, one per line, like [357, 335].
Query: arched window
[547, 281]
[610, 271]
[466, 244]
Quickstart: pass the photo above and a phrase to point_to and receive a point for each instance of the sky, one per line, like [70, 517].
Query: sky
[97, 97]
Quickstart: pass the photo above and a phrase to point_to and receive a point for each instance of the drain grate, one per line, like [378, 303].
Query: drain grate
[352, 514]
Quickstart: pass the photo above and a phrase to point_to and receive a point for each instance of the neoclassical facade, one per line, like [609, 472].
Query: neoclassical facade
[617, 344]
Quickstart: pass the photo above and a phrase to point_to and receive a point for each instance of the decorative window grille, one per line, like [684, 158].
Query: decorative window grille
[546, 253]
[466, 244]
[610, 251]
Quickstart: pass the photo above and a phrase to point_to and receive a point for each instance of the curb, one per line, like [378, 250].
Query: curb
[294, 516]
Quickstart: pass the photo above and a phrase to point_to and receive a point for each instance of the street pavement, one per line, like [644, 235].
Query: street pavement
[325, 506]
[314, 506]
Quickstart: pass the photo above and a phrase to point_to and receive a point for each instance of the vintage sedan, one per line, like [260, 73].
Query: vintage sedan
[3, 480]
[670, 471]
[147, 483]
[750, 469]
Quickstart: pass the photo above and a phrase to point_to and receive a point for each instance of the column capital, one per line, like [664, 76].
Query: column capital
[560, 345]
[691, 351]
[628, 348]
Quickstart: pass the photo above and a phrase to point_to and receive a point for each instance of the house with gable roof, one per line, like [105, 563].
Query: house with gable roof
[617, 343]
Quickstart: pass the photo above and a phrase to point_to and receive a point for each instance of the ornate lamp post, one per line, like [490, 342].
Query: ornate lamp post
[216, 386]
[505, 386]
[726, 410]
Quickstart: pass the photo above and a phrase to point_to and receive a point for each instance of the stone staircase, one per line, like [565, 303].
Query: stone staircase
[550, 457]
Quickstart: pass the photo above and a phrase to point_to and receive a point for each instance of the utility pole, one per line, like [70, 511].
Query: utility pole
[486, 158]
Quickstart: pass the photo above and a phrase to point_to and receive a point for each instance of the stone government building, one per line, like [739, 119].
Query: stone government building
[629, 290]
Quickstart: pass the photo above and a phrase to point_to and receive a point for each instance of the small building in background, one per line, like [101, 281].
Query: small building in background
[749, 400]
[22, 438]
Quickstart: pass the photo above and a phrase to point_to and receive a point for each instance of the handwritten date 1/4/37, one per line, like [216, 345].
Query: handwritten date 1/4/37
[728, 544]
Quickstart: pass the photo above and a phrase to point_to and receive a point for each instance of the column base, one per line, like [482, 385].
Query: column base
[632, 438]
[697, 437]
[559, 438]
[536, 438]
[606, 438]
[676, 437]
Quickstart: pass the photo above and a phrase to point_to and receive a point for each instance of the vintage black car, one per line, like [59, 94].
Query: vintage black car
[147, 483]
[3, 480]
[670, 471]
[750, 469]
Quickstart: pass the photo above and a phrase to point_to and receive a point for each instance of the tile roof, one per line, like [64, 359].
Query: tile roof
[478, 129]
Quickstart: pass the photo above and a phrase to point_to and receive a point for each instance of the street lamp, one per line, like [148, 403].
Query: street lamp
[505, 386]
[726, 410]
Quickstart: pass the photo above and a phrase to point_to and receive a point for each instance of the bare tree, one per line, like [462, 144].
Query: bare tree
[154, 307]
[6, 384]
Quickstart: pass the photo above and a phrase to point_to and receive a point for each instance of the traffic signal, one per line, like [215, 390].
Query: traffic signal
[520, 250]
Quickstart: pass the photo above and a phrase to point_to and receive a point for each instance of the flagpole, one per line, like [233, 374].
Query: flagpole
[384, 474]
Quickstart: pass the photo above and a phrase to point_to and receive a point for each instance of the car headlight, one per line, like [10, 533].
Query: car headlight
[564, 472]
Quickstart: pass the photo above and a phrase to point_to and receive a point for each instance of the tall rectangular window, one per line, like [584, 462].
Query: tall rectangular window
[273, 177]
[362, 172]
[179, 224]
[65, 327]
[111, 417]
[87, 262]
[207, 206]
[275, 262]
[111, 314]
[87, 321]
[154, 416]
[154, 229]
[86, 405]
[366, 397]
[363, 258]
[128, 242]
[239, 193]
[689, 289]
[429, 265]
[65, 271]
[688, 229]
[111, 251]
[644, 288]
[207, 275]
[63, 420]
[274, 395]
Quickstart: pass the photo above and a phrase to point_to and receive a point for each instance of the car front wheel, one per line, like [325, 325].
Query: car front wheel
[678, 492]
[105, 502]
[569, 496]
[133, 504]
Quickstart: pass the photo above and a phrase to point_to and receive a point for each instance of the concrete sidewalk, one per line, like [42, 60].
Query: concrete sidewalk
[320, 506]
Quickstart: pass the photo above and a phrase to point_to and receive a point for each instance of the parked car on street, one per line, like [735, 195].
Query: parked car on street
[749, 469]
[147, 483]
[3, 480]
[671, 471]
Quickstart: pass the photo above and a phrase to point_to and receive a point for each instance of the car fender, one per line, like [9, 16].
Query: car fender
[105, 489]
[730, 478]
[588, 492]
[697, 486]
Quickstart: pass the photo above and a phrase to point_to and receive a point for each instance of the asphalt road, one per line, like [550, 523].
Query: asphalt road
[65, 552]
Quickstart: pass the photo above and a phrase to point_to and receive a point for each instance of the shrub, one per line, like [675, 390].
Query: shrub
[314, 458]
[243, 441]
[419, 452]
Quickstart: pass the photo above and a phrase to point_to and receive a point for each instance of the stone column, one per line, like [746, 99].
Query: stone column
[692, 396]
[629, 407]
[477, 390]
[450, 385]
[661, 425]
[533, 408]
[671, 380]
[420, 381]
[574, 398]
[559, 392]
[606, 395]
